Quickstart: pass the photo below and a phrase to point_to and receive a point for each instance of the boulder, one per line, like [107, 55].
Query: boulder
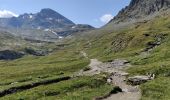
[137, 80]
[119, 63]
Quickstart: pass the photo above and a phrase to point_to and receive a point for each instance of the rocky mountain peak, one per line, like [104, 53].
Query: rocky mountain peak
[141, 8]
[45, 25]
[47, 12]
[46, 18]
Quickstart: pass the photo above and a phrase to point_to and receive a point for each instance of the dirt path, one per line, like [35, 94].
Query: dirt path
[124, 96]
[129, 92]
[117, 78]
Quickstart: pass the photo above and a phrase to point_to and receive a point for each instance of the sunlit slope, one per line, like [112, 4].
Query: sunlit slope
[145, 44]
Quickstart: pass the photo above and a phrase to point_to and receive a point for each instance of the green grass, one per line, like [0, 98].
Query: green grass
[32, 68]
[157, 89]
[60, 63]
[82, 88]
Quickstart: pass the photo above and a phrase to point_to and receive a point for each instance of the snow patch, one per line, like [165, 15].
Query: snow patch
[46, 30]
[31, 16]
[60, 37]
[49, 19]
[54, 33]
[73, 27]
[38, 27]
[58, 20]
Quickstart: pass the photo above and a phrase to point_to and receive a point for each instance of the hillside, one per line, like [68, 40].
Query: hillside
[144, 43]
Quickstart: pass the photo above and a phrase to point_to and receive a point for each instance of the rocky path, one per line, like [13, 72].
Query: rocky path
[129, 92]
[117, 78]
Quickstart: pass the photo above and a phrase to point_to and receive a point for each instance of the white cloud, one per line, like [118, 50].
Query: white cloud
[7, 14]
[106, 18]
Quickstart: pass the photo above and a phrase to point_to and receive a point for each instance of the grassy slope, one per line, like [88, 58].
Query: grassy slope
[62, 62]
[8, 41]
[82, 88]
[129, 44]
[31, 67]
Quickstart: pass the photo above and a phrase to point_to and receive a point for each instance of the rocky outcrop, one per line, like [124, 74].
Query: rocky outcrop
[35, 52]
[140, 9]
[137, 80]
[10, 55]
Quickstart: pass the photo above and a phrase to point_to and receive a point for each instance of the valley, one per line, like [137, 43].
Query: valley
[45, 56]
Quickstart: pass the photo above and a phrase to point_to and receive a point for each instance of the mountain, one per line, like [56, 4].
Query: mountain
[139, 9]
[44, 25]
[46, 18]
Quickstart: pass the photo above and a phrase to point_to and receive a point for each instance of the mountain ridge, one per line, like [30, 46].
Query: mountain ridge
[51, 24]
[46, 18]
[138, 9]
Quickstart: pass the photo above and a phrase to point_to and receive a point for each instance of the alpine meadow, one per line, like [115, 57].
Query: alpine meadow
[47, 56]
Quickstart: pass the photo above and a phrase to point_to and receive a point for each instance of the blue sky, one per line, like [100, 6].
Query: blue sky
[93, 12]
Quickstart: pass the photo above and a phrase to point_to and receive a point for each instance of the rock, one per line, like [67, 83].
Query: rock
[152, 76]
[14, 83]
[35, 52]
[10, 55]
[109, 80]
[137, 80]
[124, 74]
[138, 9]
[119, 63]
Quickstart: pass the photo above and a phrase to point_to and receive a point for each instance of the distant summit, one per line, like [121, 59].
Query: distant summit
[46, 18]
[44, 25]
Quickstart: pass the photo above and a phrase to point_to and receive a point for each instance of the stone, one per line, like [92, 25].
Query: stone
[109, 80]
[137, 80]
